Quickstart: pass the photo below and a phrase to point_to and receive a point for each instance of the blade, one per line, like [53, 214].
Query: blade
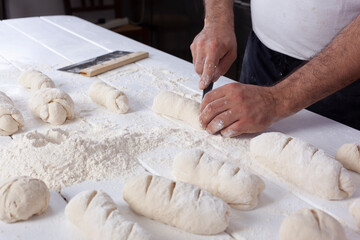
[207, 89]
[77, 67]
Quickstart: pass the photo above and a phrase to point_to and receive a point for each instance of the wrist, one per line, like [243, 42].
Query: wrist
[280, 102]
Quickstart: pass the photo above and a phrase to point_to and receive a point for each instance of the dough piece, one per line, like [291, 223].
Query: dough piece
[52, 105]
[35, 80]
[96, 214]
[349, 156]
[178, 107]
[22, 197]
[239, 188]
[303, 165]
[11, 119]
[109, 97]
[178, 204]
[311, 224]
[354, 210]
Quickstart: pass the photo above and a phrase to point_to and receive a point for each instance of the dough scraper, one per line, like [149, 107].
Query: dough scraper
[104, 63]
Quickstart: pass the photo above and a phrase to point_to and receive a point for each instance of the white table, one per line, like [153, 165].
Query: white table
[48, 43]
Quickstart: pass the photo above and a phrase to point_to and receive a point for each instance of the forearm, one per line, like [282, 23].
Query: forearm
[219, 11]
[334, 68]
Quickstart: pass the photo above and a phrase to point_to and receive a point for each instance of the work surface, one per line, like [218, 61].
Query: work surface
[144, 139]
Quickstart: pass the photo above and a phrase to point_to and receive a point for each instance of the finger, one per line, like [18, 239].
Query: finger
[221, 121]
[212, 110]
[208, 73]
[225, 63]
[212, 96]
[232, 130]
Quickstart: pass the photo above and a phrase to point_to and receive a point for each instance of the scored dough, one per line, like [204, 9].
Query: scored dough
[178, 204]
[22, 197]
[109, 97]
[52, 105]
[303, 165]
[312, 224]
[348, 154]
[35, 80]
[96, 214]
[354, 210]
[178, 107]
[239, 188]
[11, 119]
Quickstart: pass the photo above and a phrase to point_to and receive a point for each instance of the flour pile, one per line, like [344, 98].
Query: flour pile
[61, 158]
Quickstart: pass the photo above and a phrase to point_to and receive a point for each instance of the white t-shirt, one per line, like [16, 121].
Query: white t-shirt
[301, 28]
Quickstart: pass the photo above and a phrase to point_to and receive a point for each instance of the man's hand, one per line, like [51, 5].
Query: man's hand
[213, 51]
[238, 108]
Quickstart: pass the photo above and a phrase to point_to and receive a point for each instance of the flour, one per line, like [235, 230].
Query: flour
[61, 158]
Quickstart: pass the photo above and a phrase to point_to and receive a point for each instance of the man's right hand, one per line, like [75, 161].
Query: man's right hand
[213, 51]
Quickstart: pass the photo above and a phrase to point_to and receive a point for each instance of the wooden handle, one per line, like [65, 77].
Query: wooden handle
[114, 63]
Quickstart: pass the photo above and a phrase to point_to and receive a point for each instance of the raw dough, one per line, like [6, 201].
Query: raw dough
[178, 107]
[109, 97]
[178, 204]
[239, 188]
[311, 224]
[303, 165]
[52, 105]
[349, 156]
[22, 197]
[35, 80]
[354, 210]
[11, 119]
[96, 214]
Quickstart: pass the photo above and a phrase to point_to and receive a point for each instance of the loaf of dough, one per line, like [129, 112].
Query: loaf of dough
[178, 107]
[354, 210]
[348, 154]
[35, 80]
[22, 197]
[313, 224]
[109, 97]
[52, 105]
[96, 214]
[303, 165]
[239, 188]
[178, 204]
[11, 119]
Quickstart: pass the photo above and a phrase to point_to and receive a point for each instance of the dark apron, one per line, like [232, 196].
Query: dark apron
[263, 66]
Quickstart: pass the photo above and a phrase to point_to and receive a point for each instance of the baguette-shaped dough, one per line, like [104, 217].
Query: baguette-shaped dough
[239, 188]
[303, 165]
[178, 107]
[35, 80]
[11, 119]
[354, 210]
[349, 155]
[312, 224]
[109, 97]
[22, 197]
[52, 105]
[178, 204]
[96, 214]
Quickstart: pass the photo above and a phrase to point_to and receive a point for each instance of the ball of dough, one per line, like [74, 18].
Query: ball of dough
[178, 107]
[312, 224]
[109, 97]
[11, 119]
[178, 204]
[354, 210]
[239, 188]
[303, 165]
[348, 154]
[35, 80]
[22, 197]
[96, 214]
[52, 105]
